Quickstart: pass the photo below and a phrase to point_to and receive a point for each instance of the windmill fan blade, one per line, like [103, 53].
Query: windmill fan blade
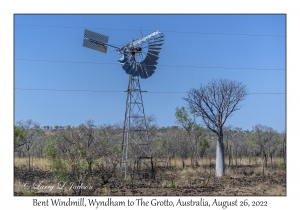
[148, 71]
[126, 63]
[132, 70]
[143, 71]
[136, 71]
[153, 52]
[148, 67]
[161, 39]
[140, 70]
[152, 57]
[157, 41]
[140, 56]
[150, 62]
[155, 45]
[128, 68]
[154, 48]
[121, 60]
[147, 37]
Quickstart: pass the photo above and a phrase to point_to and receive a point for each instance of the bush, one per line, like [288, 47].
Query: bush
[105, 192]
[28, 193]
[57, 166]
[172, 185]
[282, 166]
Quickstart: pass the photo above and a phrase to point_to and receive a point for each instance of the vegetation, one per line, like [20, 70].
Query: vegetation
[241, 180]
[85, 160]
[28, 193]
[88, 156]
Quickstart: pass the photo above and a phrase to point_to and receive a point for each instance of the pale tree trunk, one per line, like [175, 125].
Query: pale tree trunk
[182, 162]
[28, 161]
[220, 161]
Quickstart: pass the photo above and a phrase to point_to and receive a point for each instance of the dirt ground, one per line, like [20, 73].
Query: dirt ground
[169, 181]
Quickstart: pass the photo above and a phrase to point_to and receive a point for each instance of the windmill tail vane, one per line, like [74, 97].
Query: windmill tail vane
[139, 56]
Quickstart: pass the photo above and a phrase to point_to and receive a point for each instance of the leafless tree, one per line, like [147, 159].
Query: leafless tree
[262, 142]
[235, 143]
[214, 103]
[32, 132]
[265, 142]
[167, 139]
[282, 146]
[228, 143]
[181, 141]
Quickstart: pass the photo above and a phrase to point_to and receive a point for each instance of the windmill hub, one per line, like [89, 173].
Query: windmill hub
[134, 50]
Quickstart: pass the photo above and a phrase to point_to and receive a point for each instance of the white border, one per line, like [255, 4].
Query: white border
[9, 8]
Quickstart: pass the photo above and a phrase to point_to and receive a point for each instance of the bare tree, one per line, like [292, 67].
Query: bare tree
[164, 146]
[181, 141]
[214, 103]
[282, 146]
[32, 132]
[265, 142]
[228, 135]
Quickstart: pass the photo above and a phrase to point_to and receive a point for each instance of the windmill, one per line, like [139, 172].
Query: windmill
[139, 60]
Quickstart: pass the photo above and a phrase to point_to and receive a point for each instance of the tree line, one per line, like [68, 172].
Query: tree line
[186, 141]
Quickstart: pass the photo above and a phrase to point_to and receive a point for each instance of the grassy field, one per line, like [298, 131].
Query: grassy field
[41, 163]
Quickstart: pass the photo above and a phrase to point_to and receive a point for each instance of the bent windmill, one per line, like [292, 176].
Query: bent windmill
[139, 60]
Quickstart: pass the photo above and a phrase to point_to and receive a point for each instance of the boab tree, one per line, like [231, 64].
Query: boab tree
[214, 103]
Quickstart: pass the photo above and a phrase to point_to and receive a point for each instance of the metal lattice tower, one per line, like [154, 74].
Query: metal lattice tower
[136, 151]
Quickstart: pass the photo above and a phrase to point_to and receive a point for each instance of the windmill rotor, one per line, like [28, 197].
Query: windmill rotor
[140, 56]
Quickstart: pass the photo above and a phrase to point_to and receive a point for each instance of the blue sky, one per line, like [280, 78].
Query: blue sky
[197, 48]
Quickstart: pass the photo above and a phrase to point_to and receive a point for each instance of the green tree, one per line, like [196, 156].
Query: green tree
[31, 132]
[19, 137]
[203, 145]
[56, 164]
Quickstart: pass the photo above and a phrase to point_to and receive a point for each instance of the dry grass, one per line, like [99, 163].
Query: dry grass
[241, 179]
[41, 163]
[187, 173]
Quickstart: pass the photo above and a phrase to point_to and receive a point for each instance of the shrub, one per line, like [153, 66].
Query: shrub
[282, 166]
[28, 193]
[57, 166]
[105, 192]
[172, 185]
